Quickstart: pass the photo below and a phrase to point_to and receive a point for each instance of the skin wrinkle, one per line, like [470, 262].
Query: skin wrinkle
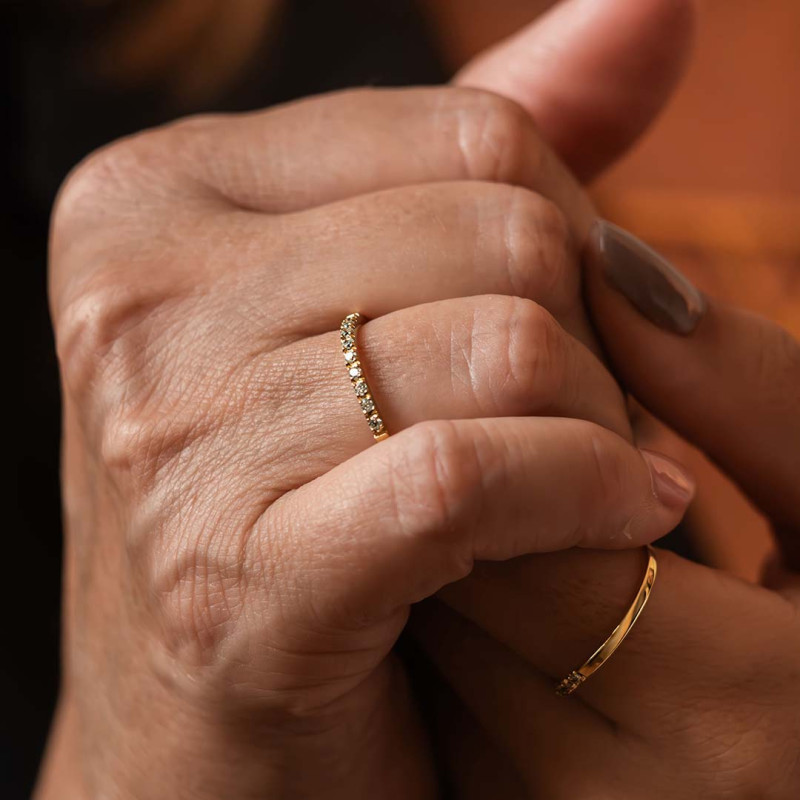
[450, 469]
[490, 375]
[430, 462]
[556, 256]
[608, 477]
[467, 351]
[530, 360]
[191, 620]
[487, 474]
[215, 535]
[518, 272]
[509, 361]
[486, 152]
[538, 244]
[95, 325]
[726, 769]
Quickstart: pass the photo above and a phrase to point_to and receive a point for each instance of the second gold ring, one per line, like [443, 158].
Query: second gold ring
[609, 646]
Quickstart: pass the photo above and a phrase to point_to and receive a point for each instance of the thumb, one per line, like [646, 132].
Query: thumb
[727, 380]
[590, 71]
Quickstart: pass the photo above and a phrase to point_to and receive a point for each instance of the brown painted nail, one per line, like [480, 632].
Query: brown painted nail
[654, 287]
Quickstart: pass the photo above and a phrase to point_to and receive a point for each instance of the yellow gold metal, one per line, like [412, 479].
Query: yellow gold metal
[348, 329]
[606, 650]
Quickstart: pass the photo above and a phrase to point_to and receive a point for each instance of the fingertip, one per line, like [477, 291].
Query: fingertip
[639, 52]
[592, 70]
[672, 484]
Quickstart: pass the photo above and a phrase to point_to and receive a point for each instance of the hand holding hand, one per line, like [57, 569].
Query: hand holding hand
[703, 697]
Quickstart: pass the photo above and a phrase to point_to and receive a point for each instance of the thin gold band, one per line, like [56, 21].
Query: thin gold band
[606, 650]
[350, 325]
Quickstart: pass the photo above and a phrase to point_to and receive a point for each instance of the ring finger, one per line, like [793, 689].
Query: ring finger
[555, 609]
[474, 357]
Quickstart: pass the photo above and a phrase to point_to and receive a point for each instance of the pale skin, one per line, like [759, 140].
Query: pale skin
[242, 557]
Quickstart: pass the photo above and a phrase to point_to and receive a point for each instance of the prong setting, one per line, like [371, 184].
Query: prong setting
[369, 407]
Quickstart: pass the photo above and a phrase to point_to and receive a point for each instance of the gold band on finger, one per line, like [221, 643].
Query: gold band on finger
[350, 324]
[609, 646]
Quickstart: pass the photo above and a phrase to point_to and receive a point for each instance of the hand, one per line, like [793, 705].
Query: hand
[237, 569]
[703, 698]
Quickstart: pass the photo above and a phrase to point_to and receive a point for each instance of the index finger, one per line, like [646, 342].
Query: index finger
[725, 379]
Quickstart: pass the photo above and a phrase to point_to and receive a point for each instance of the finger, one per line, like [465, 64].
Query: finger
[777, 577]
[364, 140]
[591, 71]
[400, 520]
[516, 705]
[494, 356]
[730, 383]
[415, 244]
[470, 765]
[474, 765]
[695, 638]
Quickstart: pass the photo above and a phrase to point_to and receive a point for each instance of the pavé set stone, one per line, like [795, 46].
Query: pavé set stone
[350, 324]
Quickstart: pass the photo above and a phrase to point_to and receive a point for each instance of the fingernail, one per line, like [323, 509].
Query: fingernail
[654, 287]
[671, 483]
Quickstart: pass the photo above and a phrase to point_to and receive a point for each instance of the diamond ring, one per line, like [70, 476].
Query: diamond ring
[350, 324]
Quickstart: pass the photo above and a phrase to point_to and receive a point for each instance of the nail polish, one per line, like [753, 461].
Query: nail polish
[671, 483]
[649, 282]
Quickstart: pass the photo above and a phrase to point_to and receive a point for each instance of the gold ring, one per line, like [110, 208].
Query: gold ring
[350, 324]
[606, 650]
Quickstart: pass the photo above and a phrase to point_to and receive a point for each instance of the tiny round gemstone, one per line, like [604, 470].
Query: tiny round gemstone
[367, 405]
[350, 356]
[361, 388]
[375, 422]
[355, 372]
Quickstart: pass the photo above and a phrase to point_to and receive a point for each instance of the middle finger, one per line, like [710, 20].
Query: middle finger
[415, 244]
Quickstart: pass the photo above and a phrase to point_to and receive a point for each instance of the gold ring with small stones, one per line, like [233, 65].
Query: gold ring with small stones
[606, 650]
[350, 324]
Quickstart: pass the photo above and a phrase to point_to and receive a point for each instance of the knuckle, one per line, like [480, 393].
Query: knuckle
[531, 356]
[114, 178]
[103, 177]
[89, 327]
[117, 348]
[197, 590]
[492, 134]
[539, 250]
[95, 176]
[135, 442]
[434, 481]
[609, 475]
[195, 594]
